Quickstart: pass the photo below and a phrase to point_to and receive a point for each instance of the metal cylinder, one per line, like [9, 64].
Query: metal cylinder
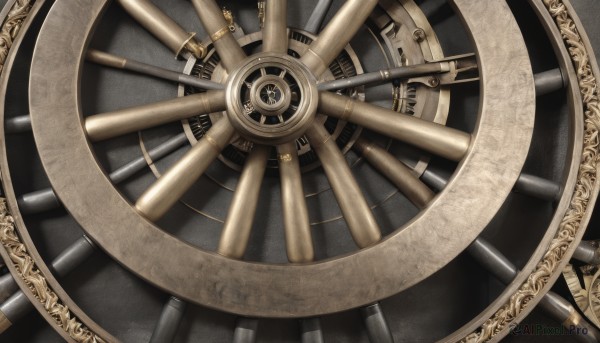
[170, 319]
[163, 27]
[39, 201]
[549, 81]
[538, 187]
[245, 330]
[376, 324]
[8, 286]
[275, 34]
[18, 124]
[318, 15]
[311, 330]
[563, 312]
[240, 218]
[492, 260]
[217, 28]
[357, 213]
[587, 252]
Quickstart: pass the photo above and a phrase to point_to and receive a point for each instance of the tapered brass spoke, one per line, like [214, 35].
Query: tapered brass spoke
[356, 211]
[238, 225]
[438, 139]
[337, 34]
[216, 26]
[112, 124]
[167, 190]
[295, 214]
[398, 173]
[275, 36]
[163, 27]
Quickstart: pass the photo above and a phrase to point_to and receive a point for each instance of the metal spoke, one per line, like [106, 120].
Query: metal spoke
[377, 326]
[245, 330]
[163, 27]
[216, 26]
[438, 139]
[356, 211]
[337, 34]
[378, 77]
[295, 214]
[549, 81]
[399, 174]
[113, 124]
[18, 305]
[118, 62]
[46, 199]
[167, 190]
[238, 225]
[275, 34]
[553, 304]
[318, 15]
[531, 185]
[588, 253]
[170, 319]
[311, 330]
[18, 124]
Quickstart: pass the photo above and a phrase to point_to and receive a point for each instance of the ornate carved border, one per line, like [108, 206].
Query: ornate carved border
[21, 259]
[36, 281]
[584, 190]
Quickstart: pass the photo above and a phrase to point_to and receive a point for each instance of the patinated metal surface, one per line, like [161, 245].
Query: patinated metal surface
[294, 290]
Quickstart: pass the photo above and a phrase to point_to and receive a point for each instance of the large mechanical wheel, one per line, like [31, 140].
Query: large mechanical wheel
[299, 168]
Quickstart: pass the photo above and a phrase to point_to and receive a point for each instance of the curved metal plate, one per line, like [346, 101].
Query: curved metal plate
[422, 247]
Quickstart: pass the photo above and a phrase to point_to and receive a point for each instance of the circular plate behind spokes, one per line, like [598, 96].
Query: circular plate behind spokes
[478, 189]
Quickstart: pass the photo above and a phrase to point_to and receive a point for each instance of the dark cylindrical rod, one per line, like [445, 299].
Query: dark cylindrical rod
[46, 199]
[588, 253]
[18, 305]
[549, 81]
[113, 61]
[311, 330]
[493, 260]
[38, 201]
[318, 16]
[387, 75]
[245, 330]
[563, 312]
[168, 323]
[538, 187]
[527, 184]
[377, 326]
[18, 124]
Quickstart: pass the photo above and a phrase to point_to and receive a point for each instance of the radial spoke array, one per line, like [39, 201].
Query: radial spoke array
[217, 28]
[167, 190]
[163, 27]
[113, 124]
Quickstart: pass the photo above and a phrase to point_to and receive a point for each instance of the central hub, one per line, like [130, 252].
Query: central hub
[271, 96]
[271, 99]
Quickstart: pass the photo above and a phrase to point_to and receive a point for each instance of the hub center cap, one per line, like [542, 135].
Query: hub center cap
[271, 99]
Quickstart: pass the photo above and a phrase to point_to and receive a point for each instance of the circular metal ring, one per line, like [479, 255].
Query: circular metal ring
[294, 291]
